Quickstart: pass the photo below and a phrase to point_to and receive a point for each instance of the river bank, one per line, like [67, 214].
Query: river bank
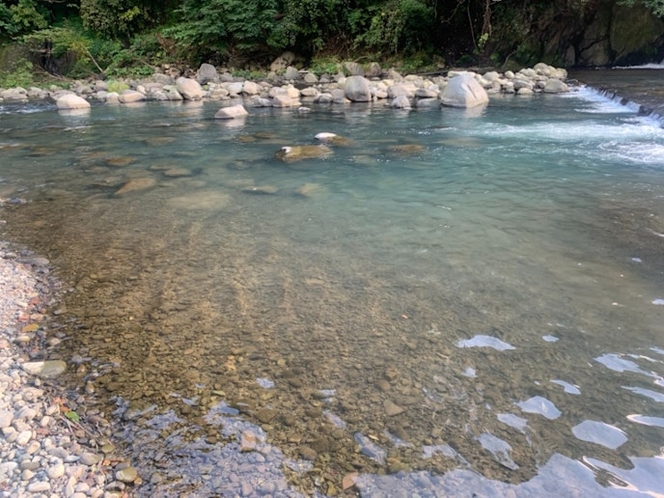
[192, 347]
[53, 443]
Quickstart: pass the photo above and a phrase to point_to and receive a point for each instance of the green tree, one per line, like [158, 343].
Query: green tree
[209, 27]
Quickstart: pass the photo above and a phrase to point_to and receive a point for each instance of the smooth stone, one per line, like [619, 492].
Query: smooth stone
[392, 409]
[6, 418]
[357, 89]
[190, 89]
[71, 101]
[262, 189]
[56, 471]
[127, 475]
[248, 441]
[39, 487]
[129, 97]
[51, 368]
[464, 91]
[231, 112]
[294, 153]
[90, 458]
[136, 184]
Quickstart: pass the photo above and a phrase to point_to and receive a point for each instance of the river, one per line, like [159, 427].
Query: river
[452, 302]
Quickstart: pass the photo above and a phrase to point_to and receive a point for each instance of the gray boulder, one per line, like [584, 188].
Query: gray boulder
[357, 89]
[292, 73]
[354, 69]
[464, 91]
[400, 102]
[207, 73]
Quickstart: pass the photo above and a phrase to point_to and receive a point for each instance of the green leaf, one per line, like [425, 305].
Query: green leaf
[73, 416]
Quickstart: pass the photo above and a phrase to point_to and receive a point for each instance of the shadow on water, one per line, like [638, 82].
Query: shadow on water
[461, 302]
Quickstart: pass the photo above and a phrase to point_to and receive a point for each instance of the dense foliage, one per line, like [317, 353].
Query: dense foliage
[128, 35]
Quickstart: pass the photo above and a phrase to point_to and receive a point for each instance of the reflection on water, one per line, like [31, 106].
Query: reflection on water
[461, 302]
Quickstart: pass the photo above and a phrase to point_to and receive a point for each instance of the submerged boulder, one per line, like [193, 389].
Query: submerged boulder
[293, 153]
[464, 91]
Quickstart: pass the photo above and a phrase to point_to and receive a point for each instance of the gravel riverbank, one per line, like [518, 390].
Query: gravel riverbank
[46, 448]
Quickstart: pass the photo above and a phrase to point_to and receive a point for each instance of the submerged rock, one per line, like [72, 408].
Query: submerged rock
[51, 368]
[294, 153]
[136, 184]
[332, 139]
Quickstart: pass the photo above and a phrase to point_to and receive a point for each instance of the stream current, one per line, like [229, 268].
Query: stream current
[452, 303]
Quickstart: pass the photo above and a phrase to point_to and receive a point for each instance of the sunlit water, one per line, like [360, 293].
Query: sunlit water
[481, 312]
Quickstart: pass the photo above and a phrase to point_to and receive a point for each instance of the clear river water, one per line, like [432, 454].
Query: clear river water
[453, 303]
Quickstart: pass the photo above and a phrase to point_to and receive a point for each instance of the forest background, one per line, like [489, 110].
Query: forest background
[115, 38]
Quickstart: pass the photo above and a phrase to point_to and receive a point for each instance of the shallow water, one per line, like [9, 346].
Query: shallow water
[480, 311]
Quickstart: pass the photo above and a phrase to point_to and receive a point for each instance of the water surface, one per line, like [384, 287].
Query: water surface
[475, 311]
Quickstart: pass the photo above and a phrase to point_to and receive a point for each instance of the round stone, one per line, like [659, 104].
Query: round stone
[127, 475]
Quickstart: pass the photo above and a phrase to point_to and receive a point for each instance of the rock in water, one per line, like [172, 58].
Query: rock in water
[130, 96]
[136, 184]
[51, 368]
[554, 85]
[231, 112]
[294, 153]
[71, 101]
[392, 409]
[464, 91]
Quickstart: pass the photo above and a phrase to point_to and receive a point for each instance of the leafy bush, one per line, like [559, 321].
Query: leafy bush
[399, 25]
[117, 86]
[20, 73]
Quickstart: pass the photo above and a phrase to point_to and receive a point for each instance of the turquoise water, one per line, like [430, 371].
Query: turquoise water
[498, 281]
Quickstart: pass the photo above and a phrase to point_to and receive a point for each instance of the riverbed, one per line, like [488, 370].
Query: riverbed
[450, 301]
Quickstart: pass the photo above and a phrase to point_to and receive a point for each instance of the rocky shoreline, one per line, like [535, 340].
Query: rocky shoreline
[52, 443]
[294, 87]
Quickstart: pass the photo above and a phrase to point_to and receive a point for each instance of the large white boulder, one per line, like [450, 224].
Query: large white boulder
[189, 89]
[464, 91]
[357, 89]
[231, 112]
[554, 85]
[71, 101]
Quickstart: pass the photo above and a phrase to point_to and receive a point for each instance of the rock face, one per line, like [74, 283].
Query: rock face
[357, 89]
[189, 89]
[232, 112]
[71, 101]
[464, 91]
[295, 153]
